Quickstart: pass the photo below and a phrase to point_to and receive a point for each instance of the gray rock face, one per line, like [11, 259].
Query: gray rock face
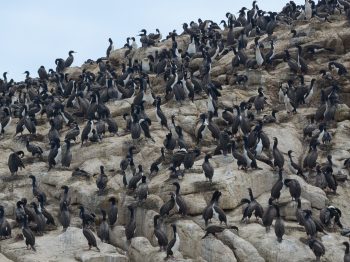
[67, 246]
[251, 243]
[290, 249]
[243, 250]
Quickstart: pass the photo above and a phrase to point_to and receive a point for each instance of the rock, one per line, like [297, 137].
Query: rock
[192, 245]
[117, 237]
[214, 250]
[316, 196]
[117, 57]
[252, 243]
[97, 257]
[337, 44]
[334, 247]
[244, 251]
[342, 113]
[291, 249]
[190, 238]
[195, 204]
[195, 64]
[288, 210]
[4, 259]
[65, 247]
[345, 37]
[73, 72]
[141, 250]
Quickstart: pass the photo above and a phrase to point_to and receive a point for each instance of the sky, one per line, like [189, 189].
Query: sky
[35, 33]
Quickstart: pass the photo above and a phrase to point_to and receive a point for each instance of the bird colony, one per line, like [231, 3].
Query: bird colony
[229, 141]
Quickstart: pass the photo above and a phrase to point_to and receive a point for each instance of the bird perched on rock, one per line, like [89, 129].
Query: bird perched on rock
[15, 162]
[251, 206]
[208, 168]
[101, 181]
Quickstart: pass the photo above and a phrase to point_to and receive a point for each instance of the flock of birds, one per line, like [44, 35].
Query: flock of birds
[70, 102]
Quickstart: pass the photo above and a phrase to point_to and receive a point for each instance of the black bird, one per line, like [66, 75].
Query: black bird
[269, 215]
[142, 189]
[159, 234]
[310, 160]
[294, 188]
[19, 212]
[347, 254]
[66, 154]
[40, 223]
[89, 236]
[208, 211]
[168, 206]
[190, 157]
[55, 153]
[203, 129]
[294, 167]
[179, 201]
[49, 218]
[34, 149]
[279, 225]
[65, 197]
[277, 155]
[113, 211]
[174, 244]
[73, 133]
[103, 230]
[130, 228]
[241, 160]
[70, 59]
[329, 213]
[53, 134]
[299, 213]
[101, 181]
[331, 180]
[208, 168]
[110, 47]
[80, 173]
[15, 162]
[64, 215]
[317, 247]
[35, 189]
[145, 124]
[309, 224]
[259, 101]
[134, 181]
[338, 68]
[297, 34]
[169, 142]
[87, 219]
[28, 234]
[112, 126]
[213, 210]
[160, 115]
[42, 73]
[28, 210]
[277, 187]
[213, 229]
[252, 206]
[5, 228]
[320, 180]
[347, 163]
[87, 132]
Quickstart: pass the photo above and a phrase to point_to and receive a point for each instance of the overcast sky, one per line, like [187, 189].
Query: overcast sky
[35, 33]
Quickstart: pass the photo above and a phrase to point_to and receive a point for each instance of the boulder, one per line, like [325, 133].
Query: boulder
[290, 249]
[66, 246]
[243, 250]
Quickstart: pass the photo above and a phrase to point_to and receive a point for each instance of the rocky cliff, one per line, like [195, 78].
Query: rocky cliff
[251, 242]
